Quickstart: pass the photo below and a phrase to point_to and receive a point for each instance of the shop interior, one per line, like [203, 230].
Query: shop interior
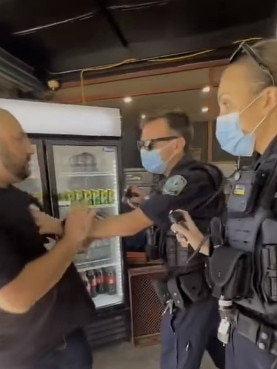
[138, 58]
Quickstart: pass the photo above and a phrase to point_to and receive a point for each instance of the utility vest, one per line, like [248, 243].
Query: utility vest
[243, 266]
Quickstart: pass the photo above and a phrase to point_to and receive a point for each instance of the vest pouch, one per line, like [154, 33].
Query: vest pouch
[180, 300]
[230, 271]
[171, 251]
[269, 260]
[160, 287]
[152, 252]
[154, 244]
[182, 255]
[194, 286]
[245, 191]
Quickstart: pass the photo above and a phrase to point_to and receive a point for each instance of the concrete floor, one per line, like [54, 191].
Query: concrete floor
[124, 356]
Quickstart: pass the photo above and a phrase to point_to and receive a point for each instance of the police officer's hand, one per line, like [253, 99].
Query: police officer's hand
[189, 235]
[47, 225]
[78, 224]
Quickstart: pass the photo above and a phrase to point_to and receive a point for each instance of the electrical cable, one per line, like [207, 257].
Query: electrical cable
[159, 59]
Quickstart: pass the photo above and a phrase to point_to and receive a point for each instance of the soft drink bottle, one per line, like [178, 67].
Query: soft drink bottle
[111, 281]
[93, 283]
[100, 281]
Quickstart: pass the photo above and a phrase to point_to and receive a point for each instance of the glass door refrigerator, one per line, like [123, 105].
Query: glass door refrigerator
[89, 172]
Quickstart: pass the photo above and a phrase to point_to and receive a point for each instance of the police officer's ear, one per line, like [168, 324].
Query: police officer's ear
[180, 144]
[269, 100]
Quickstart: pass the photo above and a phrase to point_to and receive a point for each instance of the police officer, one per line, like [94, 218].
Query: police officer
[244, 265]
[191, 318]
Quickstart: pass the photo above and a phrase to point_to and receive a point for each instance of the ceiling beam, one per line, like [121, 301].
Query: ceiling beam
[112, 22]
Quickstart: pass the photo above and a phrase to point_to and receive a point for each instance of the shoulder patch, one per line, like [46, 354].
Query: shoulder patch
[174, 185]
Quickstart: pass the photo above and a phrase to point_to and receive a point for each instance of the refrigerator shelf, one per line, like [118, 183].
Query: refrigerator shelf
[91, 265]
[88, 174]
[66, 203]
[107, 300]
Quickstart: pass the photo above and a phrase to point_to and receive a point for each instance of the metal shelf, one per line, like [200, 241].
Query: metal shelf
[66, 204]
[91, 265]
[88, 174]
[107, 300]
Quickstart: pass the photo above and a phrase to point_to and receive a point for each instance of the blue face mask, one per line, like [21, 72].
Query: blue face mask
[231, 137]
[152, 161]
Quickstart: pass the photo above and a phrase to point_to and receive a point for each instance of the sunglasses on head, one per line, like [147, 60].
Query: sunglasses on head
[149, 144]
[245, 49]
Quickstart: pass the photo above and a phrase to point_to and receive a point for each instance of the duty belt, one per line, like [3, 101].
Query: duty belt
[263, 336]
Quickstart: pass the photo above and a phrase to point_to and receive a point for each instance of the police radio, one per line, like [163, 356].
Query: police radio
[176, 217]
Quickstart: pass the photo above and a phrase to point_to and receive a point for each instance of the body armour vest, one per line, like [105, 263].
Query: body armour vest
[178, 259]
[244, 267]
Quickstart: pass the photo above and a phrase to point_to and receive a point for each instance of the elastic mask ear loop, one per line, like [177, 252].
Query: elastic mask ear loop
[262, 120]
[252, 102]
[171, 156]
[258, 125]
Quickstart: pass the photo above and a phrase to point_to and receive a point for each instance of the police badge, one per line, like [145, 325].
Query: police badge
[174, 185]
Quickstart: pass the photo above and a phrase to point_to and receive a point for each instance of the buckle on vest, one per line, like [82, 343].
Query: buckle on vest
[265, 338]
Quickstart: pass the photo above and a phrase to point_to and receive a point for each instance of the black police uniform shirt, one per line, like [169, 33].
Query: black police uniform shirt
[25, 338]
[197, 189]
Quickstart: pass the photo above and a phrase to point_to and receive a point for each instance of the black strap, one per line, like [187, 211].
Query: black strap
[262, 335]
[198, 248]
[218, 185]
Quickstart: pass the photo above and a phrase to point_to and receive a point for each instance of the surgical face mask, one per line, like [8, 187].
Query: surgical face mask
[230, 136]
[152, 161]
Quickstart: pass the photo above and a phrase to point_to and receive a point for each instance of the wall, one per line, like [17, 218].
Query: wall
[183, 88]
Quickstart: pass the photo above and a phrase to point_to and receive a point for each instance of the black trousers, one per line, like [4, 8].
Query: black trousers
[243, 354]
[186, 335]
[73, 353]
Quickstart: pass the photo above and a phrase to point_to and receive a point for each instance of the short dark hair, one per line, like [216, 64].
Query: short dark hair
[178, 121]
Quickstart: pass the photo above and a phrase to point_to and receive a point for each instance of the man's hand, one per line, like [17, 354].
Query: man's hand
[133, 196]
[47, 224]
[78, 225]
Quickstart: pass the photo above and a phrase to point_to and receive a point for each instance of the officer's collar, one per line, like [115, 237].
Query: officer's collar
[271, 149]
[185, 160]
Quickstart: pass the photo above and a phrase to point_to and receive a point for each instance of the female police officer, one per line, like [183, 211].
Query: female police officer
[247, 99]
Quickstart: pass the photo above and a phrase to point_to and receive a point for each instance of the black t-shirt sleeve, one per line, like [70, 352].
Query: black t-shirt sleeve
[11, 263]
[197, 191]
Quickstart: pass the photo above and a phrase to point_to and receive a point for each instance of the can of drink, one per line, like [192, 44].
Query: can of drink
[100, 281]
[87, 197]
[70, 196]
[78, 196]
[96, 197]
[103, 197]
[110, 281]
[92, 282]
[111, 196]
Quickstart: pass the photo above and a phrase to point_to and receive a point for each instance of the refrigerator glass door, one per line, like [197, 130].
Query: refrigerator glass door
[33, 184]
[89, 174]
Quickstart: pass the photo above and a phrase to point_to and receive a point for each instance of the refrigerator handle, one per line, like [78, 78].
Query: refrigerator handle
[52, 178]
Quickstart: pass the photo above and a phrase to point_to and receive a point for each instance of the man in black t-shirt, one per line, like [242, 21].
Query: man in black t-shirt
[43, 302]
